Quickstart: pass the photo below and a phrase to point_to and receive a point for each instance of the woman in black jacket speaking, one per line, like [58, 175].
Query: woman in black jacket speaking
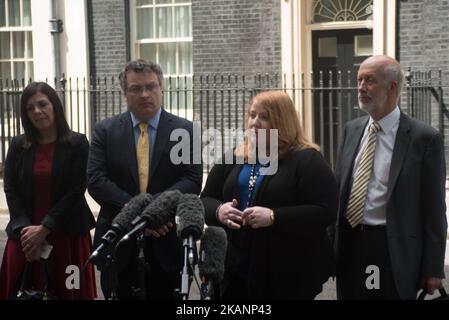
[276, 221]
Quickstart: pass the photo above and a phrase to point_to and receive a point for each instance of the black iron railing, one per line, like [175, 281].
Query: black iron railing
[325, 101]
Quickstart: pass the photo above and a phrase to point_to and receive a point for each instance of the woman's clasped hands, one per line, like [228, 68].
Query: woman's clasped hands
[255, 217]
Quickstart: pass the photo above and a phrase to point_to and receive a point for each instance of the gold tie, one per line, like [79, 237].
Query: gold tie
[357, 199]
[143, 157]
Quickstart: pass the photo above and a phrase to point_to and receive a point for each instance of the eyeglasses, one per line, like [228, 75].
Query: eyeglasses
[134, 89]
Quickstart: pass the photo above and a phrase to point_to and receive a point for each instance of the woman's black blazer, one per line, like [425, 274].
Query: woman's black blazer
[69, 211]
[292, 258]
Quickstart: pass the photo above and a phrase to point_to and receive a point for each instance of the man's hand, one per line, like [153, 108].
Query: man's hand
[162, 231]
[431, 284]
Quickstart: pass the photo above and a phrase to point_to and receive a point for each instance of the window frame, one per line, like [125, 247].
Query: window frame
[311, 19]
[135, 43]
[27, 30]
[178, 87]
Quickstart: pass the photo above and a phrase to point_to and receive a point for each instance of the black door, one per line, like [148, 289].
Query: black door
[337, 55]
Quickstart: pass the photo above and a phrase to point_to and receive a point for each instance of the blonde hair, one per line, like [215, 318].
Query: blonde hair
[283, 117]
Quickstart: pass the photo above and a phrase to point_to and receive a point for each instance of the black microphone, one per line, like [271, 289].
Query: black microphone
[106, 240]
[162, 210]
[126, 218]
[190, 217]
[212, 259]
[189, 227]
[213, 253]
[156, 214]
[123, 221]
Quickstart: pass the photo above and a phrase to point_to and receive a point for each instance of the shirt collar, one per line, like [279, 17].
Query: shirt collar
[153, 122]
[388, 122]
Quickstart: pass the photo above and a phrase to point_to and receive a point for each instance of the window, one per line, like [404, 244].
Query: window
[16, 51]
[162, 32]
[342, 10]
[363, 45]
[327, 47]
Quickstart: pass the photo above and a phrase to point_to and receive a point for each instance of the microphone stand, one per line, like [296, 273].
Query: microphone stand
[206, 290]
[142, 269]
[110, 269]
[137, 228]
[188, 266]
[142, 266]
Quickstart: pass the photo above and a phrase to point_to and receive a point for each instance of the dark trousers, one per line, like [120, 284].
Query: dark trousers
[237, 289]
[138, 281]
[361, 249]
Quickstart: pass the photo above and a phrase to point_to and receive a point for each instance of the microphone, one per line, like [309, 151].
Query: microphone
[157, 213]
[190, 224]
[212, 259]
[213, 253]
[162, 210]
[190, 217]
[126, 218]
[107, 239]
[124, 221]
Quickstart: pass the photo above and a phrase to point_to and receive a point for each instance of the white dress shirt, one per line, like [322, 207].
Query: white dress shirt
[376, 197]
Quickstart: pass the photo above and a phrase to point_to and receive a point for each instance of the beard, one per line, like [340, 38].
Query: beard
[374, 105]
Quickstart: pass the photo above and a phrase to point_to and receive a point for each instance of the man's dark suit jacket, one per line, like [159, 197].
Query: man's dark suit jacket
[416, 209]
[69, 212]
[112, 174]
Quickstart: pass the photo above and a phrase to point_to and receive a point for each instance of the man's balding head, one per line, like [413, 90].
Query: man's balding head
[380, 82]
[391, 68]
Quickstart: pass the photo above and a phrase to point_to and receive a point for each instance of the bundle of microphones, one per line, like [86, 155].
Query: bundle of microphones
[145, 211]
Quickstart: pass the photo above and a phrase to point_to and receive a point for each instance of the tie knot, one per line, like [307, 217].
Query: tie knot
[143, 127]
[375, 127]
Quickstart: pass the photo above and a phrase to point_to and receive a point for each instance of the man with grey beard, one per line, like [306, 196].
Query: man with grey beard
[391, 227]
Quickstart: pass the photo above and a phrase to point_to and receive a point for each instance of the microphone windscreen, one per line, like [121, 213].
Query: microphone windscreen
[162, 209]
[190, 213]
[131, 210]
[213, 254]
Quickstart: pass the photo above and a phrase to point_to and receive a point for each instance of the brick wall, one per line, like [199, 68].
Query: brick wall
[424, 34]
[233, 37]
[108, 39]
[241, 36]
[423, 41]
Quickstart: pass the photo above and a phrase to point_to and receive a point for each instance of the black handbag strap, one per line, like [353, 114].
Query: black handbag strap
[24, 275]
[26, 272]
[423, 294]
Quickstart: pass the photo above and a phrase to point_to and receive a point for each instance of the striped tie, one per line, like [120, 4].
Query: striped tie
[143, 157]
[356, 204]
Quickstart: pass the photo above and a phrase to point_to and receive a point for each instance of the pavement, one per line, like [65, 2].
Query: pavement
[328, 293]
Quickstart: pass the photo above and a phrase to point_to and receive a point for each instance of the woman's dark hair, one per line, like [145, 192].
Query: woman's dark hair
[31, 134]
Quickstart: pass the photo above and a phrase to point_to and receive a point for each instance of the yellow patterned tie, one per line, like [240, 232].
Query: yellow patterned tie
[357, 199]
[143, 157]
